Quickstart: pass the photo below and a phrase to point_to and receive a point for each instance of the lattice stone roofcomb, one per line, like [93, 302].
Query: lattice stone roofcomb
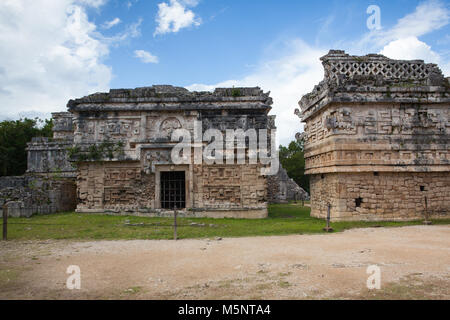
[337, 64]
[374, 78]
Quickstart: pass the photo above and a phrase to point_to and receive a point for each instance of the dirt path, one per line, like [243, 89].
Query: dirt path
[414, 262]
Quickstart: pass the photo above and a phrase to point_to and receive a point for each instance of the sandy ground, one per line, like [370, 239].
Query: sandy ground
[414, 263]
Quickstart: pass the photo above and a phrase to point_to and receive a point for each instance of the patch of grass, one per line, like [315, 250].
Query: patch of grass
[226, 284]
[284, 274]
[284, 284]
[264, 286]
[133, 290]
[8, 276]
[283, 219]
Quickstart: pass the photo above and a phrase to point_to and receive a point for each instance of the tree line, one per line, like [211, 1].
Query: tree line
[14, 135]
[292, 159]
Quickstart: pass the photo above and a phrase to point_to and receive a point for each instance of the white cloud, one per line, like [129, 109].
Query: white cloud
[174, 16]
[130, 3]
[131, 31]
[288, 78]
[402, 40]
[427, 17]
[49, 52]
[112, 23]
[190, 3]
[92, 3]
[410, 48]
[145, 57]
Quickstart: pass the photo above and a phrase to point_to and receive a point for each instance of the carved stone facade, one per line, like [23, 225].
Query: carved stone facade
[122, 142]
[377, 137]
[49, 155]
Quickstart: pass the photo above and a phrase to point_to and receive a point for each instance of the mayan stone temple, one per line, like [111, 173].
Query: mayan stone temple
[122, 147]
[377, 139]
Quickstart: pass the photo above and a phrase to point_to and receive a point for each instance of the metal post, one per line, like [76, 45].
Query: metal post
[427, 221]
[5, 222]
[328, 228]
[175, 224]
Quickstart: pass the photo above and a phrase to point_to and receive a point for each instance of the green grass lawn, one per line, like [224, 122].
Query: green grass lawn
[283, 219]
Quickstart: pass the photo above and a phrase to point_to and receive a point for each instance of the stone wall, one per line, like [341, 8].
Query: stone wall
[229, 187]
[47, 155]
[116, 186]
[380, 196]
[37, 194]
[215, 191]
[62, 126]
[50, 155]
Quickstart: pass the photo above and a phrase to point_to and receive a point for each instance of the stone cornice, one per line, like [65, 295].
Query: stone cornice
[376, 168]
[375, 95]
[146, 106]
[169, 97]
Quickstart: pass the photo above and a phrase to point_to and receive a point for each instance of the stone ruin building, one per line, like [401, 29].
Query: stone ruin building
[122, 149]
[111, 153]
[282, 188]
[377, 139]
[49, 183]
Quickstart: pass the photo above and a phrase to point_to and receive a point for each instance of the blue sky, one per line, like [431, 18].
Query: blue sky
[235, 36]
[55, 50]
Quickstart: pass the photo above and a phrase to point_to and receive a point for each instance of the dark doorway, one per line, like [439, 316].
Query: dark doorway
[173, 190]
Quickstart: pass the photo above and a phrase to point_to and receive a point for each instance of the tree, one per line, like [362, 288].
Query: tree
[14, 136]
[292, 159]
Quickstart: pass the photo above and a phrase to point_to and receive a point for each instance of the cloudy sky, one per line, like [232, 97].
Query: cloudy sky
[55, 50]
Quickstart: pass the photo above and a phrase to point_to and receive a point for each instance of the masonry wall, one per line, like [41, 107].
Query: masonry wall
[37, 194]
[113, 186]
[235, 191]
[229, 187]
[383, 195]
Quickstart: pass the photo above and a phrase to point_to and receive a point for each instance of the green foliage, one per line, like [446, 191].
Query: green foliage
[236, 92]
[96, 152]
[73, 152]
[14, 136]
[360, 59]
[292, 159]
[388, 92]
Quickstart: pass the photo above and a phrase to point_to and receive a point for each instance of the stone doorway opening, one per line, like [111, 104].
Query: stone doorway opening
[173, 190]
